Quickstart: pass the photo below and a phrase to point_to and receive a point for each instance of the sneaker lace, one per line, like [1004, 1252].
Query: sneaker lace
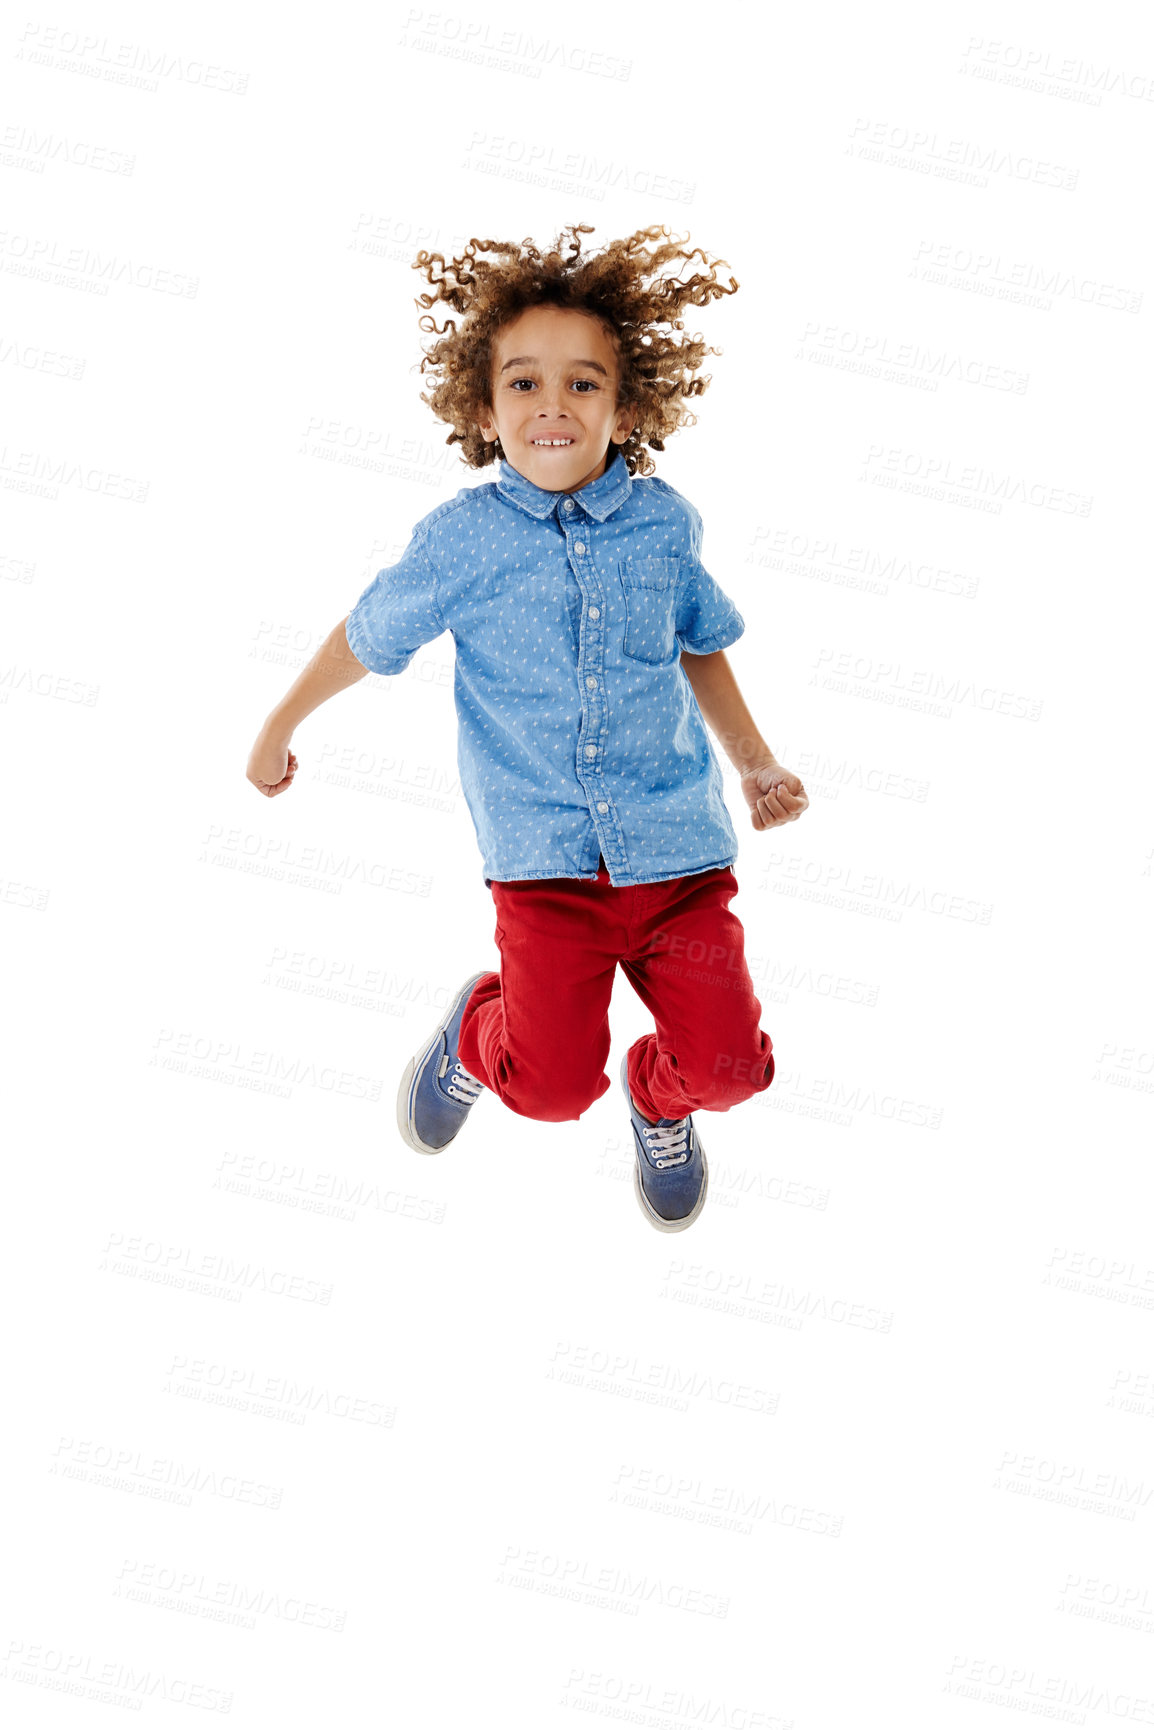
[460, 1085]
[667, 1140]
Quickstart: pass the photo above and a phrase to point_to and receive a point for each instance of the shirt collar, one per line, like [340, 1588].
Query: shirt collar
[599, 497]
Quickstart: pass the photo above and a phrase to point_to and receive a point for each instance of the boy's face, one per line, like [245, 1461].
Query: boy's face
[555, 376]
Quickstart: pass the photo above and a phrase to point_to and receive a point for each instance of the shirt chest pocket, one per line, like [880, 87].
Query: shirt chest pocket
[650, 588]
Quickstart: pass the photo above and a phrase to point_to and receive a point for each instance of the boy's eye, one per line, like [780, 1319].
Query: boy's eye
[592, 383]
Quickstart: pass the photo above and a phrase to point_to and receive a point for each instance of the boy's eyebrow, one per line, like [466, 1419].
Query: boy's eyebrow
[531, 360]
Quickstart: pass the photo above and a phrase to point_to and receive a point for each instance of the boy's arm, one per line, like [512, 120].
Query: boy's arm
[332, 668]
[721, 702]
[271, 765]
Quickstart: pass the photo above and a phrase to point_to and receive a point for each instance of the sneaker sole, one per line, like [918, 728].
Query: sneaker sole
[408, 1079]
[655, 1219]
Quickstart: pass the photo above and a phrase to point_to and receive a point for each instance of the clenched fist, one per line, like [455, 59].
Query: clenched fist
[773, 794]
[271, 766]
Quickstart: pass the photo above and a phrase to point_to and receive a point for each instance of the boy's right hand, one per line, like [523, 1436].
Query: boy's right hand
[271, 766]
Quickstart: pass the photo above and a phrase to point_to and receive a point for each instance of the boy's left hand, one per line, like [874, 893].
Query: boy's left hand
[773, 794]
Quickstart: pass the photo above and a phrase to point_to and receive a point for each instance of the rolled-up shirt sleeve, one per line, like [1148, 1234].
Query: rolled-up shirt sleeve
[397, 614]
[707, 619]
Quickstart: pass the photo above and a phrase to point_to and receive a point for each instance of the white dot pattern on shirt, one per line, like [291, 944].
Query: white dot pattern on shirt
[532, 610]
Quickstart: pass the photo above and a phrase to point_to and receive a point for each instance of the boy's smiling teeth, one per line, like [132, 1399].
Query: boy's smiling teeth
[552, 441]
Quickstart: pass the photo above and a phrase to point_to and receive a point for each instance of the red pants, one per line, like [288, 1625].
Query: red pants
[537, 1032]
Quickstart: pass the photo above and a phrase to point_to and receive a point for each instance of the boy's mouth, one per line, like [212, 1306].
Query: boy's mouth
[548, 444]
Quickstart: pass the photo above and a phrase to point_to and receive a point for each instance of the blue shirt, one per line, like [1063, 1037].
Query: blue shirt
[578, 731]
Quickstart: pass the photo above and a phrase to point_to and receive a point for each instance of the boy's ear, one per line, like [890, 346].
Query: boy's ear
[630, 422]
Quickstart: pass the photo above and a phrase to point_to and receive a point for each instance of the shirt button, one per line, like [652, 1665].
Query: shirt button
[595, 612]
[590, 750]
[601, 805]
[590, 684]
[567, 505]
[578, 546]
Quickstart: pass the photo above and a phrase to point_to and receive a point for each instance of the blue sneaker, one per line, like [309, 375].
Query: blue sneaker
[437, 1091]
[670, 1176]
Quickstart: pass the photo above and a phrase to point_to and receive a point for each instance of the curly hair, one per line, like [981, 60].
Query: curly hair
[621, 287]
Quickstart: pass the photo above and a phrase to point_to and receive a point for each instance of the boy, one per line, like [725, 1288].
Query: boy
[590, 644]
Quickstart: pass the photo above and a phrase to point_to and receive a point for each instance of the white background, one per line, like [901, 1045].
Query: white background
[303, 1428]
